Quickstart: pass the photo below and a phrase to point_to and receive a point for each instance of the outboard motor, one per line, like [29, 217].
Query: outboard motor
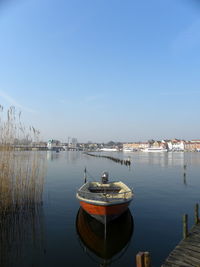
[104, 177]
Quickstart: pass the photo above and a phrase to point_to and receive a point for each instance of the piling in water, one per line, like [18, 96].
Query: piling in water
[140, 259]
[196, 213]
[185, 226]
[117, 160]
[143, 259]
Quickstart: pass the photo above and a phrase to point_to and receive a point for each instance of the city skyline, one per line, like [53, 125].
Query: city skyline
[102, 71]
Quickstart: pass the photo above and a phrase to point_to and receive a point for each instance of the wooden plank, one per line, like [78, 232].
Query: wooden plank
[175, 265]
[181, 261]
[192, 257]
[193, 242]
[195, 230]
[195, 227]
[190, 246]
[167, 264]
[195, 238]
[180, 251]
[176, 261]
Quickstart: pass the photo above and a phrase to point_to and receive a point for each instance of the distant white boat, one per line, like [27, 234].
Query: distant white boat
[154, 149]
[128, 149]
[108, 149]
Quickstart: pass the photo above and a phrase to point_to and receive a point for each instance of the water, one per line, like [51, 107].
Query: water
[60, 236]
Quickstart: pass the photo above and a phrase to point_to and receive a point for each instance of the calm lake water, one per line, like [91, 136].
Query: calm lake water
[62, 235]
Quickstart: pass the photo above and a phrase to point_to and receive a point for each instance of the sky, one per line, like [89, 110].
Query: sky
[101, 70]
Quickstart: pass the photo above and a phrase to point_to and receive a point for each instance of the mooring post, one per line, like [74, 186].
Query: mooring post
[143, 259]
[147, 259]
[140, 259]
[196, 213]
[185, 226]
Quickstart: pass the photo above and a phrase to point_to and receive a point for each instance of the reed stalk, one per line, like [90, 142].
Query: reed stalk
[21, 181]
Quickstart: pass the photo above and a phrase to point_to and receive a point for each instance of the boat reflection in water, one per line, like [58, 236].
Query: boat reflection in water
[104, 243]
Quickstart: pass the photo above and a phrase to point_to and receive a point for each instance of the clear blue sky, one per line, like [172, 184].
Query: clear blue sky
[102, 70]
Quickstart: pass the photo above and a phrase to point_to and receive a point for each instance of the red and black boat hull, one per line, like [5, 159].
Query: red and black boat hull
[105, 213]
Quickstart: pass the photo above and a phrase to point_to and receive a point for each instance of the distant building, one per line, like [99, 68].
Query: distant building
[135, 146]
[52, 144]
[72, 143]
[156, 144]
[176, 145]
[197, 141]
[193, 145]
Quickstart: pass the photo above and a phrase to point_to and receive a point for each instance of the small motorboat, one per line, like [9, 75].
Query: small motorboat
[104, 200]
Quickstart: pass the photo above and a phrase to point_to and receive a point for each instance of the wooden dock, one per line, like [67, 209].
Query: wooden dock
[187, 252]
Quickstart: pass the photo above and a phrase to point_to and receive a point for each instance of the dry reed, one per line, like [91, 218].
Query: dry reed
[21, 181]
[21, 172]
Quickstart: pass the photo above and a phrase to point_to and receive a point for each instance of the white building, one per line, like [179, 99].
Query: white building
[176, 145]
[51, 144]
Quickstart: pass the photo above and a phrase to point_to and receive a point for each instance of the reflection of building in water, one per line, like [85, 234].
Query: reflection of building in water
[73, 156]
[175, 159]
[163, 159]
[70, 156]
[103, 243]
[52, 155]
[166, 159]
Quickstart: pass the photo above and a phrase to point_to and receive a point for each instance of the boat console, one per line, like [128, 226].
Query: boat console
[104, 178]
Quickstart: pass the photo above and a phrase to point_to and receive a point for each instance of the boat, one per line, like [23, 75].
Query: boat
[104, 200]
[154, 149]
[128, 149]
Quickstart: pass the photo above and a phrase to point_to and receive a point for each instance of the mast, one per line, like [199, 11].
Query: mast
[85, 175]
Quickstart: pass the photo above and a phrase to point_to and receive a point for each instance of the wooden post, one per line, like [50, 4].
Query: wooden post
[140, 259]
[147, 259]
[143, 259]
[196, 213]
[185, 226]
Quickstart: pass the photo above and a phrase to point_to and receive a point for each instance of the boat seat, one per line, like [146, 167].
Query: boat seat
[104, 189]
